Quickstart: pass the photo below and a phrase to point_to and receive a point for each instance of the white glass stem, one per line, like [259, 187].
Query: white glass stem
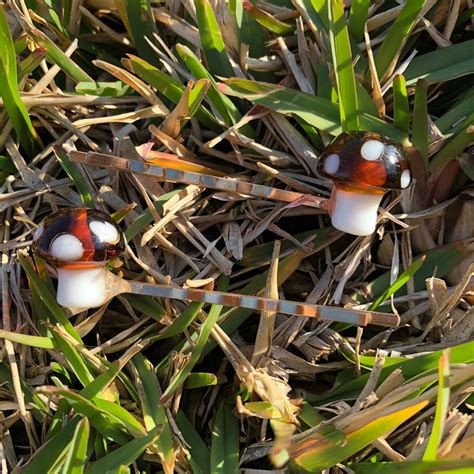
[354, 212]
[82, 288]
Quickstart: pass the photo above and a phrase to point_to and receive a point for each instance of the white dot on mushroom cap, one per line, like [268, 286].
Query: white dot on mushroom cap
[104, 231]
[331, 163]
[372, 150]
[66, 247]
[405, 179]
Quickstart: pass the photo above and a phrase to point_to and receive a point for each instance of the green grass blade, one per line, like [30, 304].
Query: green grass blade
[401, 108]
[357, 18]
[106, 425]
[123, 456]
[268, 21]
[200, 379]
[153, 412]
[454, 119]
[6, 168]
[43, 273]
[197, 94]
[225, 442]
[16, 110]
[199, 455]
[442, 407]
[350, 388]
[342, 61]
[319, 112]
[71, 169]
[74, 360]
[237, 9]
[46, 296]
[57, 56]
[364, 101]
[442, 64]
[56, 16]
[119, 216]
[42, 313]
[61, 414]
[148, 306]
[420, 120]
[141, 25]
[30, 63]
[252, 34]
[453, 148]
[61, 370]
[54, 449]
[401, 281]
[168, 86]
[189, 103]
[204, 334]
[211, 39]
[100, 383]
[397, 35]
[165, 84]
[439, 262]
[122, 415]
[324, 87]
[264, 409]
[27, 340]
[318, 452]
[321, 13]
[104, 89]
[287, 101]
[21, 44]
[181, 323]
[100, 446]
[228, 111]
[460, 69]
[368, 362]
[310, 415]
[146, 218]
[77, 454]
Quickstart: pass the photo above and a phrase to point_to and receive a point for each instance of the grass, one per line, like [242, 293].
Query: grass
[252, 90]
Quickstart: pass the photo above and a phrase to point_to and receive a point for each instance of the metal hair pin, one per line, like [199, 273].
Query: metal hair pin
[79, 242]
[362, 166]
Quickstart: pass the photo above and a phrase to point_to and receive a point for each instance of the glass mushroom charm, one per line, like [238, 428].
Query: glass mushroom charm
[363, 165]
[78, 243]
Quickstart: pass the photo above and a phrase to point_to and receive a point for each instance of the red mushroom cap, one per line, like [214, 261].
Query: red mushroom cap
[78, 238]
[366, 160]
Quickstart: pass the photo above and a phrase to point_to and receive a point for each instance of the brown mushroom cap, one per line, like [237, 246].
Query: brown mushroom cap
[366, 160]
[78, 238]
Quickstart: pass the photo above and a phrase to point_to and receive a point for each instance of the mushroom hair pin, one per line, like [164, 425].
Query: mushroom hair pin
[78, 243]
[362, 165]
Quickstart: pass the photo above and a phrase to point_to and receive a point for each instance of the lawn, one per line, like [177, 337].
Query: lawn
[226, 111]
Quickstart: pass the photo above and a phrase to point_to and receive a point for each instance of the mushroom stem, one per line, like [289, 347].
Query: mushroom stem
[82, 287]
[355, 212]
